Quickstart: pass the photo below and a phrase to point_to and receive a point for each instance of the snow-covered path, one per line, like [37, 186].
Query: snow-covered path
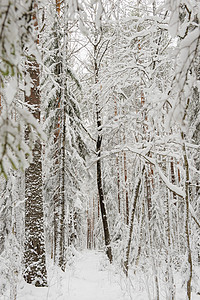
[90, 278]
[91, 281]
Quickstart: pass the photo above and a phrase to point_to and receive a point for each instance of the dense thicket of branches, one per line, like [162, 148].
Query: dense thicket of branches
[113, 125]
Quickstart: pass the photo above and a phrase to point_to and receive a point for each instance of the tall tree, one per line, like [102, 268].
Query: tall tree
[97, 61]
[34, 253]
[66, 147]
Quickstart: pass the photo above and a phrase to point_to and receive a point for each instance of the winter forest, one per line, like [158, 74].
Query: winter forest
[100, 149]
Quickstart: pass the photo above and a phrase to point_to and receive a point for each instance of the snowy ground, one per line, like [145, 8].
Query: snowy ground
[89, 278]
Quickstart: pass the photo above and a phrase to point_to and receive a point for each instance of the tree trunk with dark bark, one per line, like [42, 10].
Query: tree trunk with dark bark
[187, 230]
[128, 248]
[98, 151]
[34, 253]
[62, 196]
[101, 196]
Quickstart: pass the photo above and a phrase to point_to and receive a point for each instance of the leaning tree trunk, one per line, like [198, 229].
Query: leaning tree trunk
[98, 151]
[128, 248]
[100, 189]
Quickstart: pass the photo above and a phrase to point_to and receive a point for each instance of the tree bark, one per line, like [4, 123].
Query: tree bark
[98, 151]
[187, 205]
[34, 253]
[59, 156]
[187, 233]
[101, 195]
[128, 248]
[126, 189]
[118, 173]
[62, 196]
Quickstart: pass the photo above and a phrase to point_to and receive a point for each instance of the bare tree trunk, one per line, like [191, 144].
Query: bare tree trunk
[126, 189]
[34, 250]
[187, 233]
[140, 237]
[128, 248]
[56, 195]
[169, 274]
[148, 194]
[34, 253]
[149, 217]
[93, 223]
[57, 144]
[62, 196]
[118, 185]
[98, 151]
[118, 174]
[101, 195]
[59, 159]
[89, 243]
[189, 254]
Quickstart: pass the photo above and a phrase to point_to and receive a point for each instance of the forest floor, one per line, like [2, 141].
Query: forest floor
[90, 277]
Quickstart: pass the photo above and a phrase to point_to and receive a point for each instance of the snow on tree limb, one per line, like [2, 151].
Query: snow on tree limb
[143, 153]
